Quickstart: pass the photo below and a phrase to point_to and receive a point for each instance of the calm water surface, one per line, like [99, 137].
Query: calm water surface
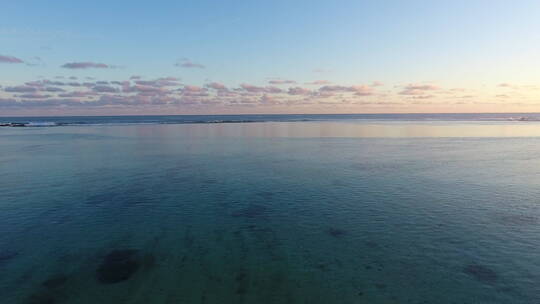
[271, 212]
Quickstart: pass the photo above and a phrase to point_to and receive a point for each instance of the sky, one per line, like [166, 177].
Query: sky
[240, 57]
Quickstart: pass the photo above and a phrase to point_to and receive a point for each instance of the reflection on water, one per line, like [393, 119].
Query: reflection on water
[360, 129]
[298, 212]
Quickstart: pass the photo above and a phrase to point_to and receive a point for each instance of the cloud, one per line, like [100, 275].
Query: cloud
[52, 82]
[319, 82]
[104, 89]
[120, 83]
[194, 91]
[145, 90]
[85, 65]
[256, 89]
[418, 89]
[268, 100]
[161, 82]
[78, 94]
[54, 89]
[9, 59]
[186, 63]
[421, 87]
[216, 86]
[320, 71]
[21, 89]
[279, 81]
[423, 96]
[34, 96]
[299, 91]
[335, 88]
[362, 90]
[8, 102]
[192, 88]
[168, 91]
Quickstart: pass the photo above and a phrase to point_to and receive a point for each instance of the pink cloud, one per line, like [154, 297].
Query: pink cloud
[21, 89]
[148, 90]
[162, 82]
[54, 89]
[256, 89]
[78, 94]
[279, 81]
[335, 88]
[104, 89]
[423, 96]
[189, 64]
[362, 90]
[216, 86]
[194, 91]
[9, 59]
[268, 100]
[34, 96]
[422, 87]
[51, 82]
[319, 82]
[85, 65]
[418, 89]
[192, 88]
[299, 91]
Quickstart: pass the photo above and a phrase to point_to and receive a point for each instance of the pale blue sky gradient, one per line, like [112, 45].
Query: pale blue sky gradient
[451, 44]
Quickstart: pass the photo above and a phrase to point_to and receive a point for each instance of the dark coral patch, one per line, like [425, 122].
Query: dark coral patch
[118, 266]
[242, 279]
[240, 276]
[252, 211]
[55, 281]
[41, 298]
[268, 195]
[372, 244]
[149, 261]
[336, 232]
[481, 273]
[6, 255]
[380, 286]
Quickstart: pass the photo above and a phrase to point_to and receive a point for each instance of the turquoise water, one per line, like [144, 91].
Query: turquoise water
[281, 212]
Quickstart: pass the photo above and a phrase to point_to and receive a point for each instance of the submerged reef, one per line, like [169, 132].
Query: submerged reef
[55, 281]
[6, 255]
[336, 232]
[118, 266]
[252, 211]
[42, 297]
[49, 291]
[481, 273]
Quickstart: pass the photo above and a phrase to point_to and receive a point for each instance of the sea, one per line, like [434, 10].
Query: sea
[359, 208]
